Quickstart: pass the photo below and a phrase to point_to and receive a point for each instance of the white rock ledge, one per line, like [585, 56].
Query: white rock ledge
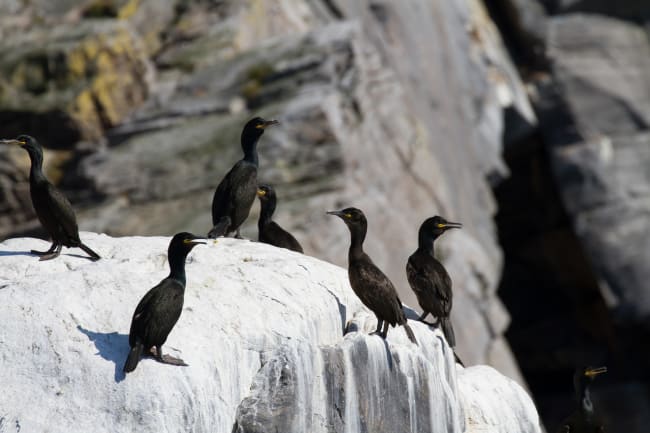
[261, 331]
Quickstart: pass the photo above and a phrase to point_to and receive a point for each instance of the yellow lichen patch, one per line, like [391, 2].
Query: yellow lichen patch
[128, 10]
[83, 110]
[54, 162]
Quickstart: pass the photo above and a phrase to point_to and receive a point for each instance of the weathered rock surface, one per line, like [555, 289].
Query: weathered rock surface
[603, 66]
[262, 332]
[371, 117]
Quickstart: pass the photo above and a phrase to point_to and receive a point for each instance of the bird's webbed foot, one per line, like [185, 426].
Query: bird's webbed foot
[51, 255]
[43, 253]
[167, 359]
[238, 235]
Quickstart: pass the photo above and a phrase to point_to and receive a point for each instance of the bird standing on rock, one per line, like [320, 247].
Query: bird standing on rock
[369, 283]
[584, 420]
[160, 308]
[270, 232]
[429, 279]
[236, 193]
[53, 209]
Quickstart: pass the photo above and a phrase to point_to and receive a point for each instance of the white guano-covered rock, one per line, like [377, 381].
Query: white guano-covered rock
[262, 332]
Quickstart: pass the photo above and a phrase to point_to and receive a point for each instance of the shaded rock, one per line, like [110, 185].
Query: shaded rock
[600, 163]
[633, 10]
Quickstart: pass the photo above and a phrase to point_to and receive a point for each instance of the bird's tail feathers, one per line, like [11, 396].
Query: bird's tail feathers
[93, 255]
[133, 358]
[448, 330]
[457, 358]
[409, 333]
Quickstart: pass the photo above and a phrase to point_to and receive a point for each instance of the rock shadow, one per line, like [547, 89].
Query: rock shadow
[15, 253]
[111, 346]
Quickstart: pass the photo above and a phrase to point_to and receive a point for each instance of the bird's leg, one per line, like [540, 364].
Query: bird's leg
[52, 255]
[384, 332]
[238, 235]
[42, 253]
[378, 330]
[168, 359]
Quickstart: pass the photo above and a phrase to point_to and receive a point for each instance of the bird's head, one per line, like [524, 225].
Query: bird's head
[585, 375]
[433, 227]
[351, 216]
[590, 373]
[256, 126]
[27, 142]
[265, 193]
[182, 243]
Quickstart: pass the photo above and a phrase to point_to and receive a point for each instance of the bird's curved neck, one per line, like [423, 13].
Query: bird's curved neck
[249, 146]
[425, 243]
[266, 213]
[36, 170]
[177, 267]
[584, 401]
[357, 235]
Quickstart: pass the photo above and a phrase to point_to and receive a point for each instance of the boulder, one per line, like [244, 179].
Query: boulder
[262, 330]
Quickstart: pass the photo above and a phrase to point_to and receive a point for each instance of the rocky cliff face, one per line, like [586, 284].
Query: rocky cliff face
[582, 181]
[144, 103]
[262, 330]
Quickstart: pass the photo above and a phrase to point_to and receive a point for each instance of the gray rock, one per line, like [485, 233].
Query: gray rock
[602, 67]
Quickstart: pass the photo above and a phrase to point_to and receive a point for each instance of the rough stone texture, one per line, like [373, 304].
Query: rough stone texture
[603, 66]
[262, 332]
[72, 81]
[372, 116]
[574, 217]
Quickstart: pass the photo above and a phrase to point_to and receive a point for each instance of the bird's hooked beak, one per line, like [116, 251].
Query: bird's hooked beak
[267, 123]
[196, 241]
[261, 192]
[449, 225]
[345, 216]
[12, 141]
[595, 371]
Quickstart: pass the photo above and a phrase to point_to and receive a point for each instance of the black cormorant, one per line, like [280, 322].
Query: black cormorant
[429, 279]
[53, 209]
[236, 192]
[368, 282]
[269, 231]
[583, 420]
[160, 308]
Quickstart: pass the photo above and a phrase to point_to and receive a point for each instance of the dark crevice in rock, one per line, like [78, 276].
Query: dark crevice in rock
[559, 318]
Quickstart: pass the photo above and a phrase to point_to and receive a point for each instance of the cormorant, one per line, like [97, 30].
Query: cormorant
[583, 420]
[159, 309]
[53, 209]
[368, 282]
[429, 279]
[269, 231]
[236, 192]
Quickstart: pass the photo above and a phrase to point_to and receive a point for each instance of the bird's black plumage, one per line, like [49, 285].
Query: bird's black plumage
[270, 232]
[53, 209]
[236, 192]
[160, 308]
[369, 283]
[429, 279]
[584, 419]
